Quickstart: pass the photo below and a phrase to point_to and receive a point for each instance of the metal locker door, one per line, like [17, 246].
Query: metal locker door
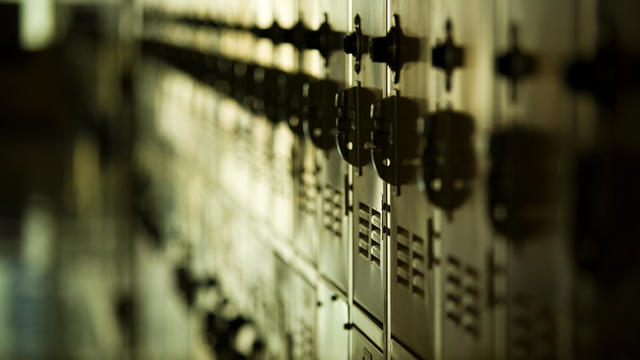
[535, 117]
[284, 58]
[333, 314]
[461, 121]
[304, 317]
[306, 167]
[411, 273]
[364, 349]
[335, 238]
[368, 189]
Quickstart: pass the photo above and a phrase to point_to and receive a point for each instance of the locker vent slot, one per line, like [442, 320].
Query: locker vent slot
[332, 212]
[417, 265]
[533, 329]
[462, 296]
[363, 230]
[403, 257]
[369, 234]
[307, 193]
[410, 259]
[376, 237]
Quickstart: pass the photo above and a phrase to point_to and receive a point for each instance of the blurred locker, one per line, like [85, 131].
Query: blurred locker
[368, 83]
[396, 157]
[529, 154]
[456, 129]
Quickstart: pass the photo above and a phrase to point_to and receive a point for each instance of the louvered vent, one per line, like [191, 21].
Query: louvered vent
[532, 329]
[410, 260]
[363, 230]
[370, 234]
[462, 298]
[307, 193]
[332, 211]
[376, 237]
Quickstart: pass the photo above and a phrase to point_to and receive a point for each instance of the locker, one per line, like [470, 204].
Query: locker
[368, 224]
[333, 315]
[412, 269]
[467, 315]
[536, 291]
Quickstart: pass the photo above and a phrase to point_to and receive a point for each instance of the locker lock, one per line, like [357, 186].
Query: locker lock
[515, 64]
[353, 124]
[521, 181]
[319, 113]
[290, 100]
[224, 75]
[447, 56]
[222, 331]
[394, 131]
[394, 49]
[448, 158]
[356, 44]
[267, 92]
[242, 82]
[189, 286]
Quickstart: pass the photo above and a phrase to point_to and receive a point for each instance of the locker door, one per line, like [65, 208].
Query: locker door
[333, 314]
[411, 274]
[368, 189]
[534, 125]
[462, 119]
[334, 231]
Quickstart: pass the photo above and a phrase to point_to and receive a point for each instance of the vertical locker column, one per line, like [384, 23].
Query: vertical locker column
[321, 126]
[306, 168]
[456, 133]
[404, 50]
[288, 59]
[262, 56]
[354, 144]
[529, 153]
[329, 21]
[285, 13]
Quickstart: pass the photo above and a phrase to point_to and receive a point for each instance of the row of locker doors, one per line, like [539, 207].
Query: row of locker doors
[439, 250]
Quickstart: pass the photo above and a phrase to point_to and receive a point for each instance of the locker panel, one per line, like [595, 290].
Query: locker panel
[412, 298]
[364, 349]
[535, 291]
[304, 324]
[305, 166]
[333, 314]
[334, 231]
[368, 190]
[467, 317]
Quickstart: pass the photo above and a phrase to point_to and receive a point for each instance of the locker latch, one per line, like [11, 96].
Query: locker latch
[353, 124]
[267, 92]
[319, 113]
[290, 99]
[448, 160]
[521, 181]
[242, 82]
[356, 44]
[394, 49]
[189, 286]
[515, 64]
[447, 56]
[394, 133]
